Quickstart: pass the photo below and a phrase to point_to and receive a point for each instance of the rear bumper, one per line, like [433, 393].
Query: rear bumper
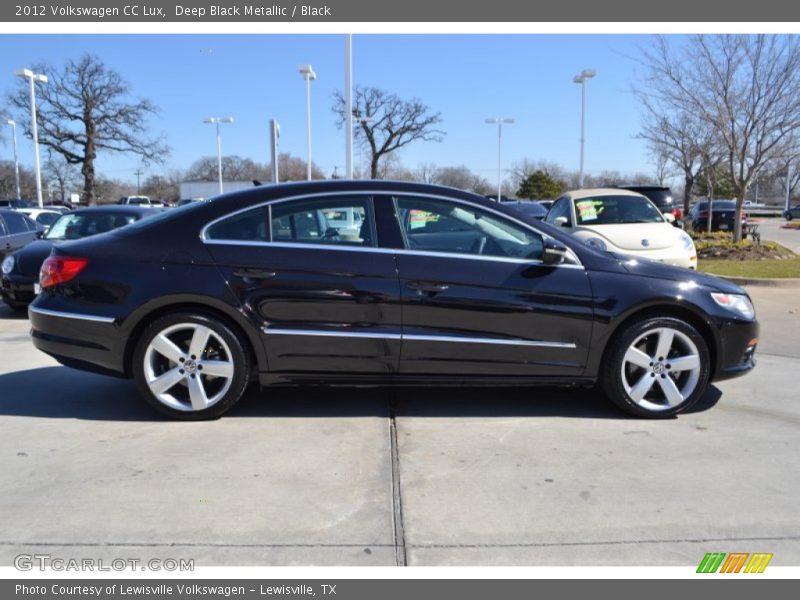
[81, 340]
[736, 349]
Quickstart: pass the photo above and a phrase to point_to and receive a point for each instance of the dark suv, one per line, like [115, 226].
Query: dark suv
[662, 197]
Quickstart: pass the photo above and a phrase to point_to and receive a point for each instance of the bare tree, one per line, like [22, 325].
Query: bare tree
[426, 173]
[234, 168]
[387, 123]
[462, 178]
[62, 173]
[745, 87]
[680, 138]
[86, 108]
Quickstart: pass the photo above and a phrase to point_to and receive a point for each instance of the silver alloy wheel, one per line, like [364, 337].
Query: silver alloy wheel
[188, 367]
[660, 369]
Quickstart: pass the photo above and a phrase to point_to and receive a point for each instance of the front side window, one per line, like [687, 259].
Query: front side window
[339, 221]
[247, 226]
[451, 227]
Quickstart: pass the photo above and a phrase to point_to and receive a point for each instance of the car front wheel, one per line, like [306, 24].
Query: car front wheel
[657, 368]
[191, 366]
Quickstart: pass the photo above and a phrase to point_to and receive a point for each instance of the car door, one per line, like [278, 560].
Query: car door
[477, 299]
[308, 271]
[20, 231]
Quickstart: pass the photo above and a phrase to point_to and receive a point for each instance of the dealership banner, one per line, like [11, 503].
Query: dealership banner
[194, 11]
[383, 589]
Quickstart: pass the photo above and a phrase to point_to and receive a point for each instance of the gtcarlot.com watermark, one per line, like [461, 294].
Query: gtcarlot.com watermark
[44, 562]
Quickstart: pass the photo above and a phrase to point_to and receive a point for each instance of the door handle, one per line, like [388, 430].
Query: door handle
[254, 273]
[427, 286]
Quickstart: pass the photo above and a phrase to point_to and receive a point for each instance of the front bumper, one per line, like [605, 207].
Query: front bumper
[85, 341]
[17, 289]
[736, 348]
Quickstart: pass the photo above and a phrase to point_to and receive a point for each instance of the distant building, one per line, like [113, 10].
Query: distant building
[197, 190]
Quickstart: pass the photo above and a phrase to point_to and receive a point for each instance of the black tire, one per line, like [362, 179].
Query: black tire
[236, 347]
[614, 386]
[788, 215]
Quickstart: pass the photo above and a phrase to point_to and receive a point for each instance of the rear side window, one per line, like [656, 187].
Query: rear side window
[248, 226]
[15, 223]
[338, 221]
[2, 227]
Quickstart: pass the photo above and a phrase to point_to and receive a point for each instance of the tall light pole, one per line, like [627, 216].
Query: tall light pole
[499, 121]
[16, 156]
[217, 121]
[309, 75]
[581, 79]
[33, 78]
[348, 104]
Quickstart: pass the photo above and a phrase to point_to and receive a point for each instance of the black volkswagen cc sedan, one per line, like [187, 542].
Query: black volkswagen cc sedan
[373, 282]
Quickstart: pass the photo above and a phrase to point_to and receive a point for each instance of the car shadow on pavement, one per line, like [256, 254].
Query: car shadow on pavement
[9, 314]
[63, 393]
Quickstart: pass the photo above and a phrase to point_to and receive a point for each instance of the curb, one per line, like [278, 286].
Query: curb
[761, 281]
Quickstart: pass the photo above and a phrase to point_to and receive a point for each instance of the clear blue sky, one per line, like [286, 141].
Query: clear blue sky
[465, 77]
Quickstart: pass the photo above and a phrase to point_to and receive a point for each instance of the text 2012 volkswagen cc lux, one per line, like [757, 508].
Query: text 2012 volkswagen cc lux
[365, 282]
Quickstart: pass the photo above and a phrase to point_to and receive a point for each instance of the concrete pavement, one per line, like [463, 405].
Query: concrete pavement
[770, 229]
[317, 476]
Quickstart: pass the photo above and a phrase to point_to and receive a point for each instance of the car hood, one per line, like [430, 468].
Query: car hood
[652, 268]
[30, 258]
[630, 236]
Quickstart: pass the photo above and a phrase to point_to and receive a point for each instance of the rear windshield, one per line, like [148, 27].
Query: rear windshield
[614, 210]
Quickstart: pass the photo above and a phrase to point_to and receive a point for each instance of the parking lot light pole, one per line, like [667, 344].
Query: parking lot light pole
[16, 156]
[581, 79]
[309, 75]
[499, 121]
[33, 78]
[217, 121]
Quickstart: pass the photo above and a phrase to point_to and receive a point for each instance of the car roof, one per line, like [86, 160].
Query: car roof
[592, 192]
[117, 208]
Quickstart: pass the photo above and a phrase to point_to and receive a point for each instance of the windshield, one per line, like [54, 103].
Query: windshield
[79, 225]
[616, 210]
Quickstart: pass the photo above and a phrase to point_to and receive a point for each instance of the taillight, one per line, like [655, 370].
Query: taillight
[703, 214]
[60, 269]
[676, 212]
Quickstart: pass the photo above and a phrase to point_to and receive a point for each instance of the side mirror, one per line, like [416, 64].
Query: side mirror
[561, 222]
[554, 252]
[40, 234]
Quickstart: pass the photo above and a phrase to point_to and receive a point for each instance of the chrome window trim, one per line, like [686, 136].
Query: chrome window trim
[70, 315]
[372, 193]
[419, 338]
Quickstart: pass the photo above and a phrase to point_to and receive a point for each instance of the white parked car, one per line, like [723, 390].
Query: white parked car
[623, 222]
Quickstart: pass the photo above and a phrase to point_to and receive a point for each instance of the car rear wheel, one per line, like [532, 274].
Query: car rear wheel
[657, 368]
[191, 366]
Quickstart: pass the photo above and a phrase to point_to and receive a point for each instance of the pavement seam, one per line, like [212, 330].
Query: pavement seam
[405, 546]
[400, 556]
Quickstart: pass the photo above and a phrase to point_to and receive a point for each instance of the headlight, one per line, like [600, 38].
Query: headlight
[596, 243]
[8, 265]
[686, 242]
[737, 303]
